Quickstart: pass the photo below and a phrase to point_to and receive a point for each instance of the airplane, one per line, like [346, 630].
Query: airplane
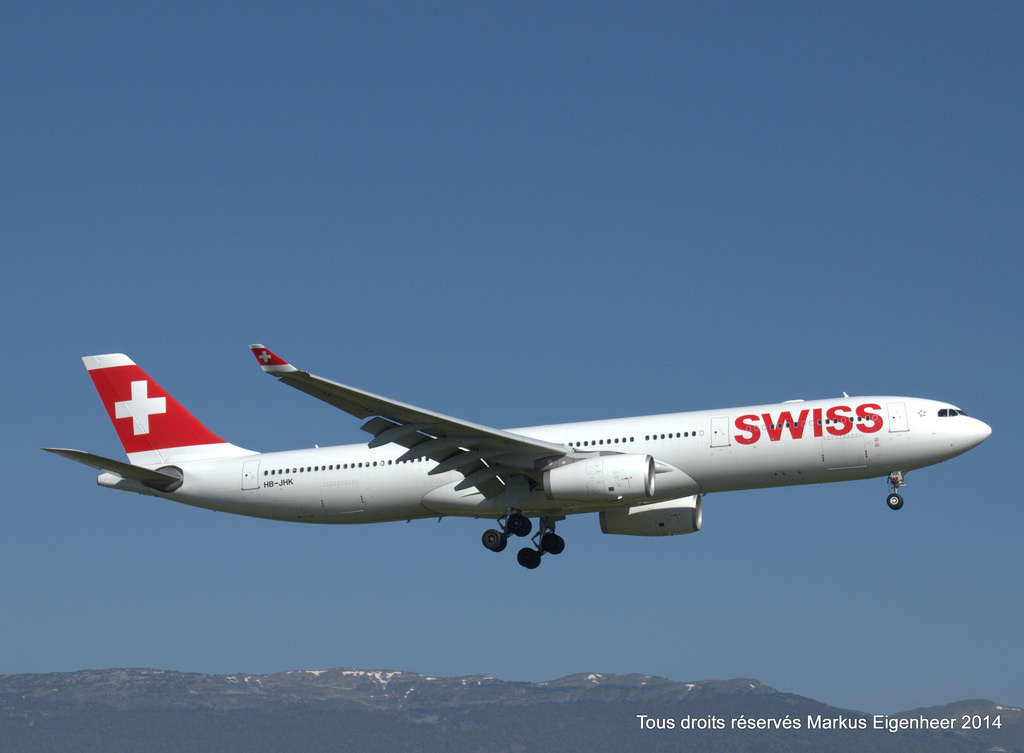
[643, 476]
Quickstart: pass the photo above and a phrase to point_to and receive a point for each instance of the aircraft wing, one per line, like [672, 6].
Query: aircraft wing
[486, 457]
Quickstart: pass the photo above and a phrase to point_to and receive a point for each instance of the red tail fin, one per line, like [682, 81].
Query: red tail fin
[153, 427]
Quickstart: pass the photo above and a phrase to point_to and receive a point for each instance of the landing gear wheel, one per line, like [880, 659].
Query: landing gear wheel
[552, 543]
[528, 558]
[518, 525]
[894, 500]
[495, 540]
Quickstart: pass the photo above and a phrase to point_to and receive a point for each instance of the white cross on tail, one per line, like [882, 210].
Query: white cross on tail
[140, 407]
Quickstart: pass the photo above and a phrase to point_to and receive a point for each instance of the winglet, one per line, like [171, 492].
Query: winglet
[270, 362]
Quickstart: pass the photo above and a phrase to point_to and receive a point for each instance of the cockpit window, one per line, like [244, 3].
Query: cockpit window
[946, 412]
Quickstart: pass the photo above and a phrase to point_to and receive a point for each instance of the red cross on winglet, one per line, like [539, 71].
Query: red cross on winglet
[270, 362]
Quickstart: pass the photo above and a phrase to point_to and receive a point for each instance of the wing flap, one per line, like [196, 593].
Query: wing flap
[457, 462]
[392, 432]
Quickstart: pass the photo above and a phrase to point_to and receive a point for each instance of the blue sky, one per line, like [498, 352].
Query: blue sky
[522, 214]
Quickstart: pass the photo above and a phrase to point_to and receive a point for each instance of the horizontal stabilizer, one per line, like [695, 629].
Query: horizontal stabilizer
[158, 480]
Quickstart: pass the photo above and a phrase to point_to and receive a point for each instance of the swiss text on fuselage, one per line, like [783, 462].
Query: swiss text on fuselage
[814, 422]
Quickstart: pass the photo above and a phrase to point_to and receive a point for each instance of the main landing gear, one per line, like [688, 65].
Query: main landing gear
[545, 541]
[894, 500]
[513, 524]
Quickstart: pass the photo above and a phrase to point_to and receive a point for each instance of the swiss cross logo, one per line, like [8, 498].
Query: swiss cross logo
[265, 357]
[140, 407]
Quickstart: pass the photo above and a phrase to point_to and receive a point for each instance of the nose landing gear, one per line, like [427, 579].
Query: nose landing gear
[894, 500]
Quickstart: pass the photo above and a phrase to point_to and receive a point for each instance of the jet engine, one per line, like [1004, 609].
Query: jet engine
[669, 518]
[605, 478]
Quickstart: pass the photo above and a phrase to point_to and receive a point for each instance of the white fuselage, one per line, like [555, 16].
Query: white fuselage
[697, 452]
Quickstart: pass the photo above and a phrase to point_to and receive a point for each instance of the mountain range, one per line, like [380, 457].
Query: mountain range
[349, 709]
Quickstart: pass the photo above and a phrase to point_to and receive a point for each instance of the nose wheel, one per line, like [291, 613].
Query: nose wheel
[894, 500]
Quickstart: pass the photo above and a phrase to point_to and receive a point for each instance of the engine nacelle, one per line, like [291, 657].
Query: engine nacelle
[670, 518]
[606, 478]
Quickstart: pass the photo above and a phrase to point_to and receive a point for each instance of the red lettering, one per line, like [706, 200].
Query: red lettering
[837, 421]
[872, 421]
[797, 427]
[746, 424]
[785, 421]
[841, 424]
[773, 429]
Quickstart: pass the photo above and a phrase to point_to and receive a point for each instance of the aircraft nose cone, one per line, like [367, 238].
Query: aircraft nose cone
[981, 432]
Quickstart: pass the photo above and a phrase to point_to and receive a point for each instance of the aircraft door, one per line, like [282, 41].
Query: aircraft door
[720, 431]
[897, 417]
[251, 474]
